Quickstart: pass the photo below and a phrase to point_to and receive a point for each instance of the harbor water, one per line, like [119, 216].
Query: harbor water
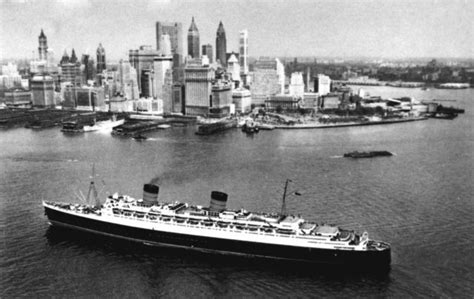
[420, 201]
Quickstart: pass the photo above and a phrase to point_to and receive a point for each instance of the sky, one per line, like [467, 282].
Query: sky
[394, 29]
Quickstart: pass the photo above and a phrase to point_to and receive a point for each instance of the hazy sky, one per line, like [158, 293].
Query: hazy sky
[338, 28]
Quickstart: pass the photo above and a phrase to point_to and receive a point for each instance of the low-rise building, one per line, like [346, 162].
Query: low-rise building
[83, 98]
[310, 100]
[283, 101]
[242, 100]
[120, 104]
[330, 101]
[148, 106]
[18, 97]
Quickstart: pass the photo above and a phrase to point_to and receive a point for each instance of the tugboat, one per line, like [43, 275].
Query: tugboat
[140, 137]
[72, 127]
[217, 229]
[250, 127]
[370, 154]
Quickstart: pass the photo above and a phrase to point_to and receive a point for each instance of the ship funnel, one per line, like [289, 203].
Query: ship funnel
[218, 202]
[150, 194]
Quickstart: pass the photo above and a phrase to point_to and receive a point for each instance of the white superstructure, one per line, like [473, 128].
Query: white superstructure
[181, 218]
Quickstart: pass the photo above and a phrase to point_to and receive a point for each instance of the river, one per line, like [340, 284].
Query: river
[420, 201]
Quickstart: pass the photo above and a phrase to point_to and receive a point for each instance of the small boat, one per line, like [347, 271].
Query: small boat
[164, 126]
[370, 154]
[265, 126]
[250, 127]
[441, 115]
[72, 127]
[140, 137]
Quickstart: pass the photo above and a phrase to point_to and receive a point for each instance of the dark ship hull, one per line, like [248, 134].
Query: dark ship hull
[208, 129]
[370, 154]
[362, 260]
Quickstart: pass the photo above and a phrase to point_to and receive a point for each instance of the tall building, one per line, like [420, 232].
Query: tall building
[147, 83]
[88, 67]
[43, 46]
[178, 97]
[167, 96]
[165, 44]
[221, 96]
[73, 58]
[101, 66]
[127, 81]
[70, 69]
[142, 60]
[50, 62]
[207, 50]
[161, 65]
[221, 45]
[65, 58]
[296, 87]
[42, 88]
[175, 32]
[268, 79]
[198, 87]
[233, 67]
[244, 51]
[10, 77]
[322, 85]
[193, 40]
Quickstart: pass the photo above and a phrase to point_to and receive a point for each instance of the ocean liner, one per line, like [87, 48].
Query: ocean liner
[220, 230]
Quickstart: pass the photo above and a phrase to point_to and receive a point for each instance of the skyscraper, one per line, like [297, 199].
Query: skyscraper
[233, 67]
[43, 46]
[101, 66]
[142, 61]
[207, 50]
[296, 87]
[193, 40]
[323, 85]
[65, 58]
[244, 51]
[175, 32]
[70, 69]
[221, 45]
[268, 79]
[86, 65]
[165, 45]
[128, 80]
[42, 88]
[198, 87]
[73, 58]
[161, 65]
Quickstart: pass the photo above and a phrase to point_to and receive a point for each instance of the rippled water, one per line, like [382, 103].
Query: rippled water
[421, 201]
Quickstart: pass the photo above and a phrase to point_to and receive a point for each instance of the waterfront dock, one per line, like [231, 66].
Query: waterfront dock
[317, 125]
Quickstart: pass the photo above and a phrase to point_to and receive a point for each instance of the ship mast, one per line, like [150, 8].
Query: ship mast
[283, 204]
[93, 189]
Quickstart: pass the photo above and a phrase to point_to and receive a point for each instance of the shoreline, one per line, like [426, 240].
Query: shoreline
[348, 124]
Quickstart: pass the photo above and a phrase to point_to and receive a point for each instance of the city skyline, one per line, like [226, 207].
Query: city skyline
[390, 29]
